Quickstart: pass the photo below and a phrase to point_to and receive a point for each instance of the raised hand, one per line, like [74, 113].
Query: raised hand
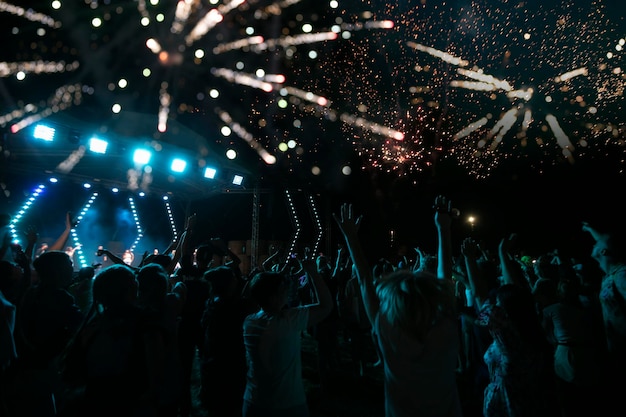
[470, 249]
[347, 222]
[443, 211]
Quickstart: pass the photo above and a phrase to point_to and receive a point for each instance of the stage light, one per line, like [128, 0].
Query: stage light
[44, 132]
[210, 173]
[318, 224]
[87, 185]
[237, 180]
[170, 216]
[133, 209]
[296, 224]
[178, 165]
[115, 189]
[79, 247]
[20, 214]
[98, 145]
[53, 180]
[142, 156]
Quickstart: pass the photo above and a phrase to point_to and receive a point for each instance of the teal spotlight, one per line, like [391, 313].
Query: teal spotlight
[210, 173]
[237, 180]
[98, 145]
[44, 132]
[178, 165]
[142, 156]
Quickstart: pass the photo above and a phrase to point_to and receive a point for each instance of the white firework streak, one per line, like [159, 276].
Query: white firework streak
[500, 129]
[276, 8]
[29, 14]
[247, 136]
[362, 123]
[470, 128]
[242, 79]
[286, 41]
[371, 24]
[238, 44]
[561, 138]
[444, 56]
[182, 13]
[570, 74]
[164, 108]
[142, 9]
[63, 98]
[306, 95]
[36, 67]
[212, 18]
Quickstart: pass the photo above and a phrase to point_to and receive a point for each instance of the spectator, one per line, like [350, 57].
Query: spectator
[415, 324]
[272, 339]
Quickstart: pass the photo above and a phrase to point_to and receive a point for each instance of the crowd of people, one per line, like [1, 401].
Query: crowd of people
[466, 331]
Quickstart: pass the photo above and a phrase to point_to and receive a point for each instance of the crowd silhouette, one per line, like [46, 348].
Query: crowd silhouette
[464, 331]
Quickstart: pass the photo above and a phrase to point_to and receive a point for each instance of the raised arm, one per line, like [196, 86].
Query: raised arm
[471, 253]
[443, 222]
[510, 268]
[324, 305]
[59, 244]
[349, 226]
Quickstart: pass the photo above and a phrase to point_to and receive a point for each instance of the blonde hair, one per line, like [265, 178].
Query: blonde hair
[414, 301]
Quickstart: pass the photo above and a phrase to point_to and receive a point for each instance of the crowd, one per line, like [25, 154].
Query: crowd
[465, 331]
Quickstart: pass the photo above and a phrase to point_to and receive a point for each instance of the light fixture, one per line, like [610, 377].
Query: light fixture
[210, 173]
[142, 156]
[44, 132]
[178, 165]
[98, 145]
[237, 180]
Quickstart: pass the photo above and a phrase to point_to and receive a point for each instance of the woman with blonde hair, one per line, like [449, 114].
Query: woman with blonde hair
[415, 326]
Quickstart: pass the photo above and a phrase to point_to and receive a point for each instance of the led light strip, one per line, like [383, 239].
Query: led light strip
[318, 225]
[20, 214]
[77, 244]
[170, 216]
[296, 223]
[131, 201]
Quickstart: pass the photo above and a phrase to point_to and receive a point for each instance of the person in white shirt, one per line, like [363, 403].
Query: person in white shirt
[272, 338]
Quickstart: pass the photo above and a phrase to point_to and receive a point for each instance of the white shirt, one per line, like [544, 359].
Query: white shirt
[273, 354]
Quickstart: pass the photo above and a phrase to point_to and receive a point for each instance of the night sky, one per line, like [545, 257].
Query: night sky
[513, 109]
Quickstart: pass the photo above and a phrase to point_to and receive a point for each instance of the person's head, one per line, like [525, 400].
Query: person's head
[86, 273]
[413, 301]
[54, 269]
[223, 281]
[152, 281]
[609, 250]
[543, 267]
[270, 290]
[115, 287]
[204, 255]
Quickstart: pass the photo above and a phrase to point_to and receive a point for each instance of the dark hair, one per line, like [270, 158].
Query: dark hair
[112, 285]
[221, 279]
[264, 285]
[204, 253]
[50, 267]
[152, 280]
[5, 219]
